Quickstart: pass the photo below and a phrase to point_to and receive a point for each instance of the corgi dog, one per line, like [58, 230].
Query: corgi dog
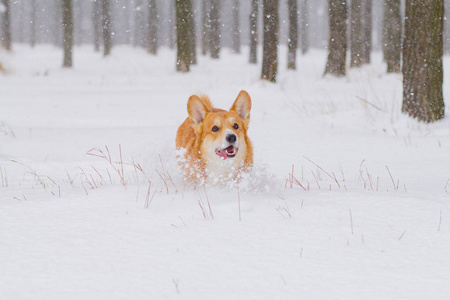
[212, 143]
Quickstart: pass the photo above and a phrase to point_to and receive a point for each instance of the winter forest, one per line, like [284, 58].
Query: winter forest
[348, 192]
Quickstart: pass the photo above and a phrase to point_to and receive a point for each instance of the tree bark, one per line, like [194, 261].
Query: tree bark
[236, 38]
[254, 32]
[367, 32]
[67, 25]
[152, 39]
[107, 34]
[270, 47]
[337, 42]
[6, 26]
[356, 33]
[172, 25]
[20, 35]
[447, 27]
[304, 24]
[183, 35]
[205, 27]
[215, 28]
[293, 33]
[422, 60]
[192, 35]
[392, 35]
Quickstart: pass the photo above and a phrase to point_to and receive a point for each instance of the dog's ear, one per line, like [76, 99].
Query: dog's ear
[242, 106]
[196, 109]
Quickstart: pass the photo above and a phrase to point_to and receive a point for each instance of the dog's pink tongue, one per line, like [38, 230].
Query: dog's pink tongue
[222, 153]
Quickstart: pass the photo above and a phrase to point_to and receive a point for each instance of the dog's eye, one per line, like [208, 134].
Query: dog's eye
[236, 126]
[215, 128]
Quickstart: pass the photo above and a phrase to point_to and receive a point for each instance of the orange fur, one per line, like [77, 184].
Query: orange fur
[201, 142]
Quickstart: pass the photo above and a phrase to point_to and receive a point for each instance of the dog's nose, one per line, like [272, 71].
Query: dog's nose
[231, 138]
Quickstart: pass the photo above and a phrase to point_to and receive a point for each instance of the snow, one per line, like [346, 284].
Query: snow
[372, 222]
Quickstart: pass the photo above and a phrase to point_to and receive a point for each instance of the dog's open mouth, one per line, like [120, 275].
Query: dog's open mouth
[228, 152]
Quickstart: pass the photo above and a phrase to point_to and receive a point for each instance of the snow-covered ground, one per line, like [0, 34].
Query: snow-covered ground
[371, 219]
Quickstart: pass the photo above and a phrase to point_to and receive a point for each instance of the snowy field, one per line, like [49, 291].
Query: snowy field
[349, 199]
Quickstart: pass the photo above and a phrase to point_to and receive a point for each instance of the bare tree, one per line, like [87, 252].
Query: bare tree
[304, 25]
[205, 27]
[254, 32]
[96, 23]
[236, 38]
[152, 39]
[392, 35]
[192, 35]
[293, 33]
[107, 34]
[67, 25]
[21, 35]
[270, 47]
[422, 60]
[183, 12]
[171, 22]
[6, 25]
[57, 21]
[447, 27]
[215, 28]
[355, 33]
[366, 32]
[337, 42]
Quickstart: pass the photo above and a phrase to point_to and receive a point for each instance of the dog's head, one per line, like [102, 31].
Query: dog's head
[222, 134]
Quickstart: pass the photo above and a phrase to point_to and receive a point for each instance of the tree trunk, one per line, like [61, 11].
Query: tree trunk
[447, 27]
[337, 42]
[270, 47]
[67, 24]
[215, 28]
[422, 60]
[107, 35]
[392, 35]
[367, 32]
[153, 28]
[20, 35]
[236, 39]
[205, 27]
[304, 24]
[183, 35]
[6, 26]
[192, 35]
[293, 33]
[254, 32]
[96, 23]
[356, 33]
[172, 24]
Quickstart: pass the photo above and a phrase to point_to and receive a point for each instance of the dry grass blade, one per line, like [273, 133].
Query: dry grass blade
[315, 179]
[97, 152]
[402, 234]
[334, 178]
[393, 182]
